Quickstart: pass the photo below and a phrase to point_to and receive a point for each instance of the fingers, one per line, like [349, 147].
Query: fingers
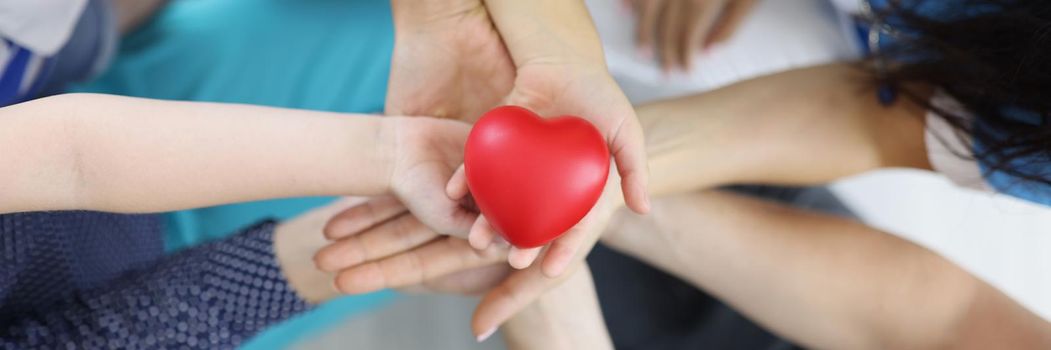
[470, 282]
[646, 27]
[400, 234]
[629, 153]
[457, 186]
[521, 258]
[698, 29]
[437, 258]
[508, 298]
[733, 15]
[563, 252]
[360, 217]
[672, 20]
[482, 234]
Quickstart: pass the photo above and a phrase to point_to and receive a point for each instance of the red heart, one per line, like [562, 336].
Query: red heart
[534, 178]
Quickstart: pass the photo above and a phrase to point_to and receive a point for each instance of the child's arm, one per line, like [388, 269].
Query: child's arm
[123, 154]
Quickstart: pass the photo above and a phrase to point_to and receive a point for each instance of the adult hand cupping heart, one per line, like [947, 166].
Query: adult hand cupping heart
[450, 60]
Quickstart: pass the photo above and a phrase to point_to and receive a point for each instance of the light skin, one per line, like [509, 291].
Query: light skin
[807, 126]
[676, 30]
[542, 55]
[130, 155]
[120, 154]
[855, 287]
[568, 317]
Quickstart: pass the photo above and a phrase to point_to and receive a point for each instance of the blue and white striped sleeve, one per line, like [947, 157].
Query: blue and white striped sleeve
[46, 45]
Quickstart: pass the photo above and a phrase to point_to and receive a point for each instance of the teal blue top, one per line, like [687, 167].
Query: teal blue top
[331, 55]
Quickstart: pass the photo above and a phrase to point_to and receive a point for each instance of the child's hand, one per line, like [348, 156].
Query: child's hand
[379, 245]
[426, 151]
[676, 29]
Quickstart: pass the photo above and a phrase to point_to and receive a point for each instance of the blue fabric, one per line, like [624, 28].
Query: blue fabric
[212, 296]
[46, 257]
[13, 74]
[331, 55]
[28, 75]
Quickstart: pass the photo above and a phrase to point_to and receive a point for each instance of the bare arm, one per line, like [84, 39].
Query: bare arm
[136, 155]
[567, 317]
[804, 126]
[823, 281]
[854, 286]
[547, 31]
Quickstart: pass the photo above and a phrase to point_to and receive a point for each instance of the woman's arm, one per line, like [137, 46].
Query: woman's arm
[804, 126]
[122, 154]
[555, 31]
[567, 317]
[823, 281]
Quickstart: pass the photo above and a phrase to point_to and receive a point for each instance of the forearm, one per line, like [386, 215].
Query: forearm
[803, 126]
[567, 317]
[135, 155]
[823, 281]
[220, 294]
[548, 31]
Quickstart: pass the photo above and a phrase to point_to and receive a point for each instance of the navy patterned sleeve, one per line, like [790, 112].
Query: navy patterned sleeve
[212, 296]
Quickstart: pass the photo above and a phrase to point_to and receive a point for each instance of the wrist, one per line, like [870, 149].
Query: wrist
[690, 147]
[295, 243]
[548, 31]
[392, 148]
[418, 13]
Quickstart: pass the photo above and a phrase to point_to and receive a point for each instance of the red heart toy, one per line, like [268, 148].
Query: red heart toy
[534, 178]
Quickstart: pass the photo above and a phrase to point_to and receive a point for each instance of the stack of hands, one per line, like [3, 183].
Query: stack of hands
[456, 60]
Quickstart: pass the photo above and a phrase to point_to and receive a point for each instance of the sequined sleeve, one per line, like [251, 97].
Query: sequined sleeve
[214, 296]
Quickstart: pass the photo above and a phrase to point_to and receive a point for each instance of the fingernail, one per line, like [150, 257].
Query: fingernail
[485, 335]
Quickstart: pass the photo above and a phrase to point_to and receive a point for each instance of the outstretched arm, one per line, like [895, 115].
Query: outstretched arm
[800, 127]
[823, 281]
[805, 126]
[121, 154]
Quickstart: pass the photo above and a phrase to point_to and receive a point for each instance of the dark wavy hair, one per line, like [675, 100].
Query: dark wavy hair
[993, 57]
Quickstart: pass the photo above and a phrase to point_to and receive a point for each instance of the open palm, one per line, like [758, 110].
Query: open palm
[450, 63]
